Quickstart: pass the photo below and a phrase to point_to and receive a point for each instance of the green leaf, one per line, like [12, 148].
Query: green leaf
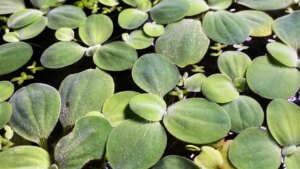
[5, 113]
[175, 162]
[244, 112]
[11, 37]
[292, 161]
[225, 27]
[270, 79]
[251, 146]
[282, 118]
[132, 18]
[11, 6]
[197, 121]
[139, 40]
[13, 56]
[65, 34]
[183, 42]
[96, 29]
[25, 157]
[87, 141]
[45, 3]
[197, 7]
[169, 11]
[6, 90]
[134, 3]
[209, 158]
[147, 74]
[109, 2]
[56, 56]
[36, 110]
[84, 92]
[148, 106]
[260, 23]
[234, 64]
[32, 30]
[283, 53]
[115, 56]
[219, 88]
[265, 4]
[135, 144]
[194, 82]
[286, 28]
[154, 30]
[219, 4]
[66, 16]
[23, 18]
[116, 108]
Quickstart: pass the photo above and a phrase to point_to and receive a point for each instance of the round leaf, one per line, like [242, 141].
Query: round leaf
[66, 16]
[109, 2]
[132, 18]
[219, 4]
[244, 113]
[6, 90]
[134, 144]
[219, 88]
[148, 106]
[260, 23]
[134, 3]
[36, 110]
[169, 11]
[197, 121]
[282, 118]
[11, 6]
[225, 27]
[283, 53]
[56, 56]
[194, 83]
[13, 56]
[269, 79]
[64, 34]
[139, 40]
[175, 162]
[266, 4]
[234, 64]
[286, 28]
[87, 141]
[23, 18]
[116, 108]
[147, 74]
[5, 113]
[96, 29]
[183, 42]
[154, 30]
[25, 157]
[251, 146]
[82, 93]
[292, 161]
[197, 7]
[115, 56]
[32, 30]
[45, 3]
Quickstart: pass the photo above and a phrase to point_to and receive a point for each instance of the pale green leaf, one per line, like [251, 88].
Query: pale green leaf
[219, 4]
[175, 162]
[6, 90]
[65, 34]
[292, 161]
[11, 6]
[265, 4]
[23, 18]
[132, 18]
[5, 113]
[197, 7]
[32, 30]
[139, 40]
[209, 158]
[154, 30]
[194, 82]
[109, 2]
[283, 53]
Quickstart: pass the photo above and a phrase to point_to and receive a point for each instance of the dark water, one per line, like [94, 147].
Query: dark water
[123, 80]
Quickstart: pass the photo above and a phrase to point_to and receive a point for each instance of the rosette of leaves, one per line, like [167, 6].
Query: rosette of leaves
[282, 139]
[114, 56]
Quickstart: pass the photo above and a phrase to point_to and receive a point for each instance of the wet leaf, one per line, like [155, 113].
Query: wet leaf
[56, 56]
[147, 74]
[270, 79]
[183, 42]
[197, 121]
[36, 110]
[282, 118]
[143, 144]
[84, 92]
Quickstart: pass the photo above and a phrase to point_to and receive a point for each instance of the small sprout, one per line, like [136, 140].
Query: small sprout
[218, 48]
[9, 133]
[179, 93]
[33, 68]
[289, 10]
[192, 148]
[3, 18]
[20, 80]
[198, 69]
[106, 10]
[125, 37]
[185, 76]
